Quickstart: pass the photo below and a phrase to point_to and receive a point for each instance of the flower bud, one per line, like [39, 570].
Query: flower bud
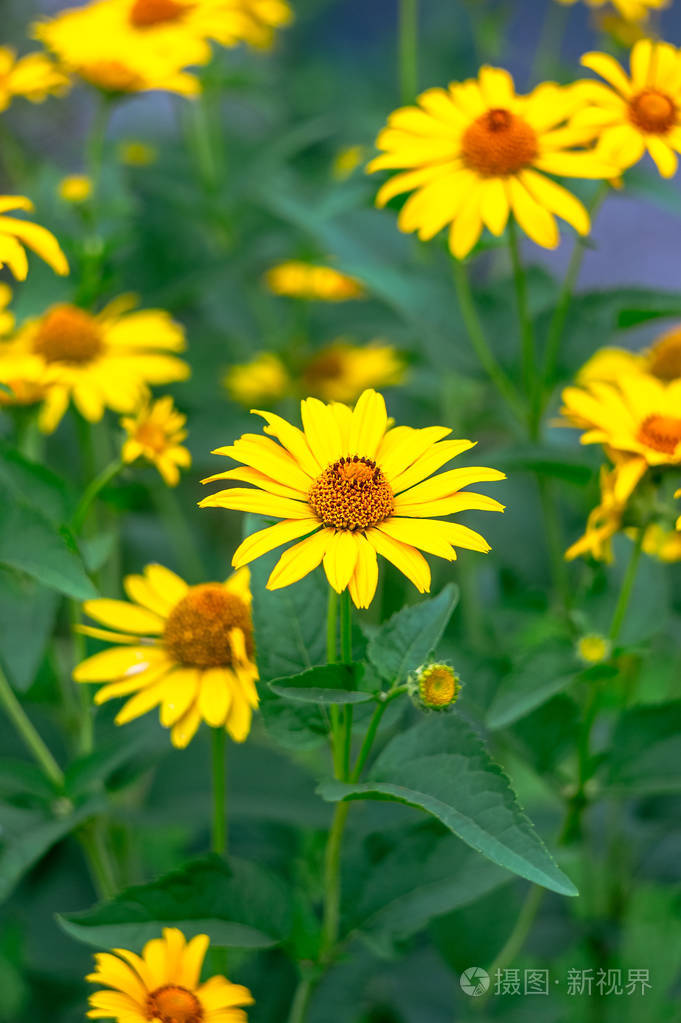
[434, 686]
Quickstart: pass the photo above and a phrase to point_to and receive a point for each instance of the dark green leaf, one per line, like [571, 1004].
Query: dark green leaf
[27, 613]
[329, 683]
[560, 463]
[541, 674]
[238, 905]
[646, 749]
[403, 642]
[33, 484]
[23, 778]
[441, 766]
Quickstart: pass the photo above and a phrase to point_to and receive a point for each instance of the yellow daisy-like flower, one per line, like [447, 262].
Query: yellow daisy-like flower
[156, 433]
[341, 371]
[163, 985]
[296, 279]
[189, 649]
[638, 112]
[661, 360]
[632, 10]
[100, 361]
[35, 77]
[263, 379]
[476, 152]
[354, 487]
[75, 188]
[15, 234]
[658, 542]
[604, 521]
[593, 648]
[638, 421]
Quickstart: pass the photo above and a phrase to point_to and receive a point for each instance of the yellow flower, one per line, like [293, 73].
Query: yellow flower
[34, 76]
[302, 280]
[75, 188]
[658, 542]
[100, 361]
[137, 154]
[14, 234]
[661, 360]
[642, 111]
[434, 686]
[354, 487]
[593, 648]
[188, 649]
[264, 378]
[265, 16]
[156, 433]
[638, 421]
[632, 10]
[678, 521]
[472, 154]
[346, 161]
[164, 985]
[6, 315]
[604, 521]
[341, 371]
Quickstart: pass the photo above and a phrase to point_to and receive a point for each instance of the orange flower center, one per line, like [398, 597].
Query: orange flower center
[154, 12]
[172, 1004]
[665, 357]
[352, 494]
[326, 366]
[652, 111]
[438, 686]
[152, 436]
[663, 433]
[197, 631]
[499, 143]
[111, 76]
[68, 334]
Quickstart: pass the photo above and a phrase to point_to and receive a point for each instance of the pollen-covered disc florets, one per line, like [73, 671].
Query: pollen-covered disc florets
[434, 686]
[665, 357]
[198, 629]
[68, 334]
[499, 142]
[155, 12]
[171, 1004]
[663, 433]
[352, 494]
[653, 111]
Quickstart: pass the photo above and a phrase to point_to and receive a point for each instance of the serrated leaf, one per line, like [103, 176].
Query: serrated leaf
[237, 904]
[403, 642]
[326, 684]
[441, 766]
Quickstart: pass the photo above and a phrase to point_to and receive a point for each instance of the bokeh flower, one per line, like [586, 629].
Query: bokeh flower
[347, 160]
[297, 279]
[16, 233]
[354, 487]
[678, 521]
[341, 371]
[98, 361]
[638, 112]
[593, 648]
[661, 360]
[189, 649]
[632, 10]
[134, 153]
[263, 379]
[155, 433]
[35, 77]
[75, 188]
[476, 152]
[164, 985]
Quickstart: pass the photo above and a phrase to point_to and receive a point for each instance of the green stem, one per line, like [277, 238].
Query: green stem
[476, 334]
[28, 733]
[627, 588]
[92, 491]
[301, 1000]
[181, 536]
[554, 540]
[204, 152]
[346, 658]
[332, 885]
[548, 47]
[367, 744]
[96, 140]
[529, 355]
[407, 45]
[520, 932]
[219, 792]
[93, 841]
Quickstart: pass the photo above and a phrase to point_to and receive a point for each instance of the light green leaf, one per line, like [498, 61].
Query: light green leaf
[329, 683]
[403, 642]
[441, 766]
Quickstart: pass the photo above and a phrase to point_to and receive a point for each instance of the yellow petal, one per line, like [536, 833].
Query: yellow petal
[407, 559]
[272, 536]
[118, 614]
[108, 665]
[300, 560]
[184, 731]
[363, 584]
[215, 696]
[340, 559]
[180, 691]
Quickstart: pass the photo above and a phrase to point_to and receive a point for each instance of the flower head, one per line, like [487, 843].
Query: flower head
[354, 487]
[476, 152]
[164, 985]
[263, 379]
[155, 433]
[341, 371]
[631, 10]
[638, 112]
[434, 686]
[186, 648]
[35, 77]
[296, 279]
[75, 188]
[100, 361]
[593, 648]
[15, 233]
[134, 153]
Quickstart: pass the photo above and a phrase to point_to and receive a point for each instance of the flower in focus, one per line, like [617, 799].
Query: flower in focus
[15, 233]
[353, 487]
[75, 188]
[341, 371]
[262, 379]
[473, 154]
[155, 433]
[637, 112]
[134, 153]
[35, 77]
[164, 985]
[593, 648]
[189, 649]
[632, 10]
[346, 161]
[100, 361]
[296, 279]
[434, 686]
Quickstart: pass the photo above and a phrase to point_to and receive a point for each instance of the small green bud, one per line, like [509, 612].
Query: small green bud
[434, 686]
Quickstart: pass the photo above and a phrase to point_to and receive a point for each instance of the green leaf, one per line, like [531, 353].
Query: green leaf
[539, 676]
[27, 613]
[646, 750]
[33, 484]
[441, 766]
[329, 683]
[30, 543]
[237, 904]
[24, 778]
[559, 463]
[87, 773]
[403, 642]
